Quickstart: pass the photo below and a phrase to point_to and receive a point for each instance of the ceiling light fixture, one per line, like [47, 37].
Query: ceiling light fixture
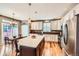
[36, 12]
[29, 10]
[29, 4]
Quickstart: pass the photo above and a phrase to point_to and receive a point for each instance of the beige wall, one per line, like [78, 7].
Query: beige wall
[19, 28]
[0, 32]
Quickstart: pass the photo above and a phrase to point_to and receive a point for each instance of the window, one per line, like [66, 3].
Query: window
[9, 29]
[47, 27]
[25, 30]
[15, 30]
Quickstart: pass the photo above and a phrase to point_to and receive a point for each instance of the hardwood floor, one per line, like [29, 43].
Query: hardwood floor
[0, 48]
[50, 49]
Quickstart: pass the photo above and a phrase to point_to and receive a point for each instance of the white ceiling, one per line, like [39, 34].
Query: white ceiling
[44, 10]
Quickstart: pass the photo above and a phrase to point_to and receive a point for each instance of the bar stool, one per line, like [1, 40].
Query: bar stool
[20, 36]
[16, 45]
[7, 42]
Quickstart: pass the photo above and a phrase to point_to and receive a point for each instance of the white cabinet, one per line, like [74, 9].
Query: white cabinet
[51, 37]
[56, 25]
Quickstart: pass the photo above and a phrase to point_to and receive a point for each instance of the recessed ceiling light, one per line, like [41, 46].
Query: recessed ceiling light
[36, 12]
[29, 4]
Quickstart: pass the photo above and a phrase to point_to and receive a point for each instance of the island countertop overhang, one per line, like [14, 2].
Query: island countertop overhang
[30, 41]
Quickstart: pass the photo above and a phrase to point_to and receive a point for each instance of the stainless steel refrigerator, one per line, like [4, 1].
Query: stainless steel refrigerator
[70, 36]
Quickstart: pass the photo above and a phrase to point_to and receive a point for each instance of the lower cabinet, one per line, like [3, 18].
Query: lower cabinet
[30, 51]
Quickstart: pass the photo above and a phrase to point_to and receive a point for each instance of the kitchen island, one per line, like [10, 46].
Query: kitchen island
[31, 45]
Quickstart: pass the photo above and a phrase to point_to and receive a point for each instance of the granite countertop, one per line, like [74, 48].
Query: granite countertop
[30, 41]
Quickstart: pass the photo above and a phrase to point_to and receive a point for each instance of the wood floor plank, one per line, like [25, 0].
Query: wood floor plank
[50, 49]
[53, 48]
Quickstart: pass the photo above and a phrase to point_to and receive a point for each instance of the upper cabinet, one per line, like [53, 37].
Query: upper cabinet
[56, 25]
[46, 26]
[36, 25]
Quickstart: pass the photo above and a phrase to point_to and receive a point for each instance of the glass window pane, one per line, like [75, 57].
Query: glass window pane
[46, 27]
[25, 30]
[15, 30]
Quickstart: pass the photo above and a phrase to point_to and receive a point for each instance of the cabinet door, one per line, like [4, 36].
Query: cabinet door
[36, 26]
[56, 25]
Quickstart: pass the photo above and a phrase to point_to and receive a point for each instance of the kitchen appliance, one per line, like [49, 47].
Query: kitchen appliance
[69, 36]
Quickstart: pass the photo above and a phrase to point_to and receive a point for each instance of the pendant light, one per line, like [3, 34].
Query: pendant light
[29, 9]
